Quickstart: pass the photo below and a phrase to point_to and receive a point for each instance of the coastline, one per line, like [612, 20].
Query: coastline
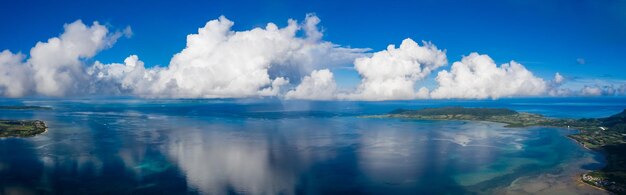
[566, 179]
[572, 176]
[579, 177]
[593, 134]
[579, 180]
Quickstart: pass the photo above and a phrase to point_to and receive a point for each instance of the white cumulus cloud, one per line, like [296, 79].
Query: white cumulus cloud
[130, 77]
[477, 76]
[57, 63]
[292, 61]
[221, 63]
[216, 63]
[391, 74]
[55, 67]
[14, 74]
[558, 78]
[555, 89]
[320, 85]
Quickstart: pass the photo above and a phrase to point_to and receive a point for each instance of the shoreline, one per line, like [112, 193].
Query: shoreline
[582, 128]
[579, 180]
[579, 177]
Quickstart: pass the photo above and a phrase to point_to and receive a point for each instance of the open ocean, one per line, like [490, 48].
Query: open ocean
[270, 146]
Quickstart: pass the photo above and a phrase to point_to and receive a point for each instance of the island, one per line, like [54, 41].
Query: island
[22, 128]
[606, 135]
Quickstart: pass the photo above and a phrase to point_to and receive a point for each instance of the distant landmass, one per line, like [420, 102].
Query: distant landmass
[606, 135]
[24, 108]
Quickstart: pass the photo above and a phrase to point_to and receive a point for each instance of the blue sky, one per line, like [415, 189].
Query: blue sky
[545, 36]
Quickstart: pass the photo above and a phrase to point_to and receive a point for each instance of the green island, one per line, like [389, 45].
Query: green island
[22, 128]
[606, 135]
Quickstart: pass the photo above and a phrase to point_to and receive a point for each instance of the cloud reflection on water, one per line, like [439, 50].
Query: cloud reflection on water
[130, 151]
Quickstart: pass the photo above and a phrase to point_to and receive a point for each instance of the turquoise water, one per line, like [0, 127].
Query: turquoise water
[290, 147]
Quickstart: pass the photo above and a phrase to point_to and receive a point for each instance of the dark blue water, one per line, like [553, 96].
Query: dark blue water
[123, 146]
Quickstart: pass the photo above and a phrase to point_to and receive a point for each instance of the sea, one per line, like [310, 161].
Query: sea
[274, 146]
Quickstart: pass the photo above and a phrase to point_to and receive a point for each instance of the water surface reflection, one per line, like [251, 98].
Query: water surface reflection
[151, 148]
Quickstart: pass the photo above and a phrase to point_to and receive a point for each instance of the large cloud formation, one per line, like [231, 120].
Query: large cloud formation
[392, 73]
[292, 62]
[217, 63]
[221, 63]
[55, 67]
[477, 76]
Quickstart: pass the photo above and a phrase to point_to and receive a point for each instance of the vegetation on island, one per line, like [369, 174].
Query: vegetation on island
[606, 135]
[21, 128]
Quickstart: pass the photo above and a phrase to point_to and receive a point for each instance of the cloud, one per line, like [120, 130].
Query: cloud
[14, 74]
[391, 74]
[128, 32]
[55, 67]
[606, 90]
[315, 54]
[591, 91]
[274, 88]
[221, 63]
[320, 85]
[310, 28]
[559, 86]
[57, 64]
[558, 79]
[293, 62]
[477, 76]
[217, 62]
[554, 87]
[581, 61]
[128, 78]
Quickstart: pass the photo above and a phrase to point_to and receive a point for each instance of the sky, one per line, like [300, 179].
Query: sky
[582, 41]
